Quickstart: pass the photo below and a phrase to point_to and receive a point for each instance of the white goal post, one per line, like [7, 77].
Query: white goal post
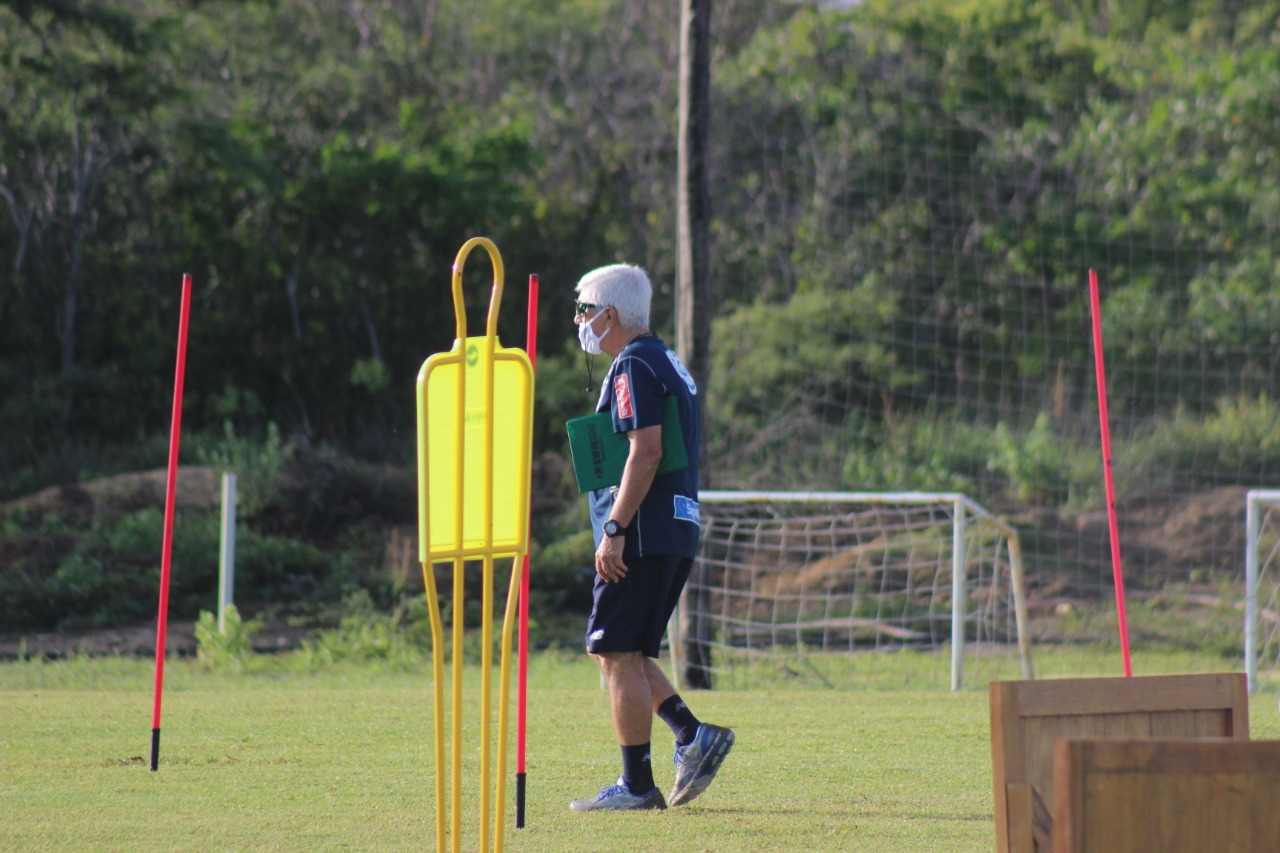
[783, 572]
[1262, 530]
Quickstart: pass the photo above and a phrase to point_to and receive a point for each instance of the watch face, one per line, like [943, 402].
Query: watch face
[611, 528]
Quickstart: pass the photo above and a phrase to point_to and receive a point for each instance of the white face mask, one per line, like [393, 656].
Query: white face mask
[588, 339]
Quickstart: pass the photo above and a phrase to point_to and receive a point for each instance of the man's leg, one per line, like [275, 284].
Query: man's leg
[700, 747]
[631, 707]
[626, 676]
[660, 687]
[669, 707]
[629, 703]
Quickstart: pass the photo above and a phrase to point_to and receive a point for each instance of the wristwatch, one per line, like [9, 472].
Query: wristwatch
[612, 528]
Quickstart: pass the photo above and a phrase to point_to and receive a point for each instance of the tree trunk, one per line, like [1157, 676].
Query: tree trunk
[693, 309]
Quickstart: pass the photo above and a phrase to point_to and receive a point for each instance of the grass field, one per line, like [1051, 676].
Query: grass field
[341, 759]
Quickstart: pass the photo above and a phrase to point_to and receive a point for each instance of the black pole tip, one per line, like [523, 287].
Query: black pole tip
[519, 801]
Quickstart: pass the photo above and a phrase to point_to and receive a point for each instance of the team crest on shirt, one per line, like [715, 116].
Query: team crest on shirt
[622, 391]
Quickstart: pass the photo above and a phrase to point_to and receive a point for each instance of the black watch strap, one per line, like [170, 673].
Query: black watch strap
[613, 528]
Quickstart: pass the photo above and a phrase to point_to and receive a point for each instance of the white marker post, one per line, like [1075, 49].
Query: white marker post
[227, 554]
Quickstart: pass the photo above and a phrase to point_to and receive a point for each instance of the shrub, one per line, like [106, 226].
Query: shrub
[228, 649]
[1033, 463]
[364, 634]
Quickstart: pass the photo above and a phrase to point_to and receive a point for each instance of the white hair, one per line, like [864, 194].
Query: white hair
[624, 288]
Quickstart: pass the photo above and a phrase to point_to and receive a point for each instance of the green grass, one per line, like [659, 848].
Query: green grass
[341, 759]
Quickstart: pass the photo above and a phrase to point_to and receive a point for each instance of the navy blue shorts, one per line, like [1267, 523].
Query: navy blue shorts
[632, 614]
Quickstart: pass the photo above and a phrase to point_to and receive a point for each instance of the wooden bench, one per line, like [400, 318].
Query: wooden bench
[1027, 717]
[1172, 796]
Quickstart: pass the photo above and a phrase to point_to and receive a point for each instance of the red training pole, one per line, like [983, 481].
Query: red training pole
[171, 488]
[522, 664]
[1104, 422]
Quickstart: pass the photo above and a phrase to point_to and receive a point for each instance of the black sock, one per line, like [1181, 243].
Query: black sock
[676, 714]
[637, 769]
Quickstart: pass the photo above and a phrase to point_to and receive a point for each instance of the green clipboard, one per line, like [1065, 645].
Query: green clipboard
[599, 454]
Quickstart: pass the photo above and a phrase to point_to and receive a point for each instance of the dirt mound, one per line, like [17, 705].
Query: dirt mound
[1200, 531]
[1178, 539]
[197, 488]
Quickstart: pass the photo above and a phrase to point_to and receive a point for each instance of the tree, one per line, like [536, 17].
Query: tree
[76, 158]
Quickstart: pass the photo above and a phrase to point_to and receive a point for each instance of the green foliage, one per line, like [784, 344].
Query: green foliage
[73, 575]
[806, 346]
[784, 373]
[94, 570]
[370, 374]
[228, 649]
[929, 454]
[560, 581]
[309, 220]
[1033, 463]
[364, 634]
[951, 164]
[1239, 442]
[258, 465]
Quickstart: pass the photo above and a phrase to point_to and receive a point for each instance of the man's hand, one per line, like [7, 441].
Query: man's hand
[609, 565]
[643, 456]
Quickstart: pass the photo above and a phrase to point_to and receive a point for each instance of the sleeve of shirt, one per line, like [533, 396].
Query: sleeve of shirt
[637, 396]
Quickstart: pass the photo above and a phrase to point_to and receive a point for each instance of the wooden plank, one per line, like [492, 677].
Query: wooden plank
[1119, 695]
[1183, 724]
[1007, 761]
[1264, 824]
[1021, 830]
[1175, 796]
[1030, 820]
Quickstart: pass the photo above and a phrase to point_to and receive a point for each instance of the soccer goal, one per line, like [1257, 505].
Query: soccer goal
[792, 578]
[1261, 582]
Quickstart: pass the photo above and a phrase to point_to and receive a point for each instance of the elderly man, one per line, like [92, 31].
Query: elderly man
[646, 532]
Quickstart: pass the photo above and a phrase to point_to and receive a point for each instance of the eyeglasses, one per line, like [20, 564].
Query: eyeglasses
[581, 308]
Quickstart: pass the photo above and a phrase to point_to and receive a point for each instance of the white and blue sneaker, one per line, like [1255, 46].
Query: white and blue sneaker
[618, 796]
[697, 763]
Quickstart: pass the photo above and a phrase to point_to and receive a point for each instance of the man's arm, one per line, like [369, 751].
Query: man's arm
[643, 458]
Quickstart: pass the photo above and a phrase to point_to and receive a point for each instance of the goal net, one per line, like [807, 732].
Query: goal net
[803, 581]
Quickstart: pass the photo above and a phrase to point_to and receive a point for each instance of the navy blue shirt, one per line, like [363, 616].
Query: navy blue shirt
[641, 377]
